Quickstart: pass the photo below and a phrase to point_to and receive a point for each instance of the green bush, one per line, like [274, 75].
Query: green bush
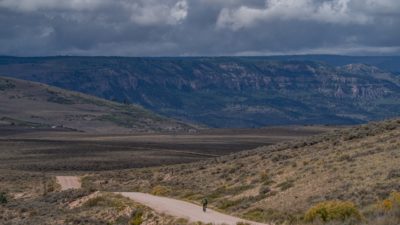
[333, 211]
[3, 198]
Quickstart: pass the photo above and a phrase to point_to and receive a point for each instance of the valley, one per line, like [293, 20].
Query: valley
[51, 151]
[199, 112]
[264, 141]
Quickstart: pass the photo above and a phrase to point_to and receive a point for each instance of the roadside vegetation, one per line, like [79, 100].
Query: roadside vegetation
[74, 207]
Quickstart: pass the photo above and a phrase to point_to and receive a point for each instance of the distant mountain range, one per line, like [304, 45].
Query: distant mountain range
[34, 105]
[388, 63]
[231, 91]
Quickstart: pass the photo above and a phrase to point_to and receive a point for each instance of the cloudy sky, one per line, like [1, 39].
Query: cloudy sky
[199, 27]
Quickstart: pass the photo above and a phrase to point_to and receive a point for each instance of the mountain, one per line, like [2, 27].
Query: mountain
[228, 91]
[280, 183]
[35, 105]
[388, 63]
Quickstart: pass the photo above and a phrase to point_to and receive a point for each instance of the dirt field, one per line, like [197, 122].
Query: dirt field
[65, 151]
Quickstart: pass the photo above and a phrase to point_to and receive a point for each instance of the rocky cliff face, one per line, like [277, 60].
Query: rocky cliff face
[226, 92]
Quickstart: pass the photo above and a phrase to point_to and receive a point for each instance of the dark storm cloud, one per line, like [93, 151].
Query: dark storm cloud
[198, 27]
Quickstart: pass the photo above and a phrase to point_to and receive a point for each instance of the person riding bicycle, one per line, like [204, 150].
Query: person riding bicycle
[205, 203]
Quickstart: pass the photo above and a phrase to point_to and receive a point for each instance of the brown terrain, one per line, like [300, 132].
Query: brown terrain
[47, 150]
[286, 173]
[35, 105]
[355, 168]
[32, 157]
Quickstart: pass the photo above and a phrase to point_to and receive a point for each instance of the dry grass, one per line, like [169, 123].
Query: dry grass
[358, 165]
[105, 208]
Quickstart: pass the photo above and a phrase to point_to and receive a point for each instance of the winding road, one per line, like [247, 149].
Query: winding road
[169, 206]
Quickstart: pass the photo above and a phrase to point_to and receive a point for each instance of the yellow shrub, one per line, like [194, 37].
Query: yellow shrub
[137, 217]
[107, 200]
[160, 190]
[395, 197]
[332, 210]
[391, 202]
[387, 204]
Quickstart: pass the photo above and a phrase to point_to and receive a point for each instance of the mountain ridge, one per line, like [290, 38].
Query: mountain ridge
[226, 91]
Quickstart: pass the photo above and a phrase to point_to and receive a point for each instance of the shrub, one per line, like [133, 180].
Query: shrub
[225, 204]
[386, 204]
[392, 202]
[3, 198]
[137, 217]
[272, 215]
[333, 210]
[160, 190]
[264, 190]
[395, 196]
[6, 84]
[266, 178]
[394, 174]
[111, 201]
[286, 185]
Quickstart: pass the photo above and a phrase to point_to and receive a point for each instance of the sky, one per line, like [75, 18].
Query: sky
[199, 27]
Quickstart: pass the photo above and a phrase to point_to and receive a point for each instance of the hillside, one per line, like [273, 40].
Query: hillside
[280, 182]
[230, 91]
[34, 105]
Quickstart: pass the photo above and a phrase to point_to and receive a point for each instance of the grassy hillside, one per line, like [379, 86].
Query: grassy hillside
[356, 168]
[34, 105]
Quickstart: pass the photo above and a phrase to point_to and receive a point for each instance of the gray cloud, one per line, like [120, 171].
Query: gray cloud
[198, 27]
[34, 5]
[336, 12]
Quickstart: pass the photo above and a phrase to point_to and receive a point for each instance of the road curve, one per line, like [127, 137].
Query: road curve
[182, 209]
[68, 182]
[169, 206]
